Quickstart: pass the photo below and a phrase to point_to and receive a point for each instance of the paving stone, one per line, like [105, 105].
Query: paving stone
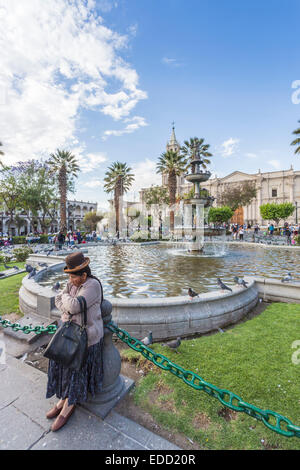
[158, 443]
[132, 429]
[23, 424]
[12, 386]
[86, 432]
[17, 431]
[34, 404]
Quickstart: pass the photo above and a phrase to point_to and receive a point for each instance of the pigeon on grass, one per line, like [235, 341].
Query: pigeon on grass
[173, 344]
[148, 339]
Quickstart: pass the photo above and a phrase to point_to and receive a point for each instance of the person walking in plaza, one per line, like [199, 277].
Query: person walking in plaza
[61, 240]
[70, 386]
[241, 233]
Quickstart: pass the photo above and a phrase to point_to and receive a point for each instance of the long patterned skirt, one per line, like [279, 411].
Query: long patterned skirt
[64, 382]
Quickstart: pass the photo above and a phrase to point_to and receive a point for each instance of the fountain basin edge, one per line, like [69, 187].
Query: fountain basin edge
[167, 318]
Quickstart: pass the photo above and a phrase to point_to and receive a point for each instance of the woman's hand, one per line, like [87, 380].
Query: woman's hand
[65, 317]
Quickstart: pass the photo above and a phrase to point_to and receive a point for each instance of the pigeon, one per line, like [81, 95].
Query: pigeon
[32, 273]
[56, 286]
[220, 330]
[7, 267]
[148, 339]
[16, 267]
[287, 278]
[222, 285]
[43, 265]
[240, 281]
[2, 274]
[192, 293]
[28, 268]
[174, 344]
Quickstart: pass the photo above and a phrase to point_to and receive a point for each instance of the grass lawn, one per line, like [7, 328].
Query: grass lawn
[253, 360]
[9, 291]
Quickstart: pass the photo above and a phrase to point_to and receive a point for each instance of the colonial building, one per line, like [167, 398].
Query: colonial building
[76, 211]
[276, 186]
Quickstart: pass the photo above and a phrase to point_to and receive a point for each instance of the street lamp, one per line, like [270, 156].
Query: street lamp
[296, 205]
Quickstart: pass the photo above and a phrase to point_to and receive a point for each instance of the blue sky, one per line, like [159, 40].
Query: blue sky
[123, 70]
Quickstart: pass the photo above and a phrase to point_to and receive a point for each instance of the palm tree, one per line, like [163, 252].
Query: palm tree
[190, 147]
[64, 165]
[118, 179]
[297, 141]
[171, 164]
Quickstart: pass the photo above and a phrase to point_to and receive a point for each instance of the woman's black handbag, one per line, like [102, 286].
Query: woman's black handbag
[70, 343]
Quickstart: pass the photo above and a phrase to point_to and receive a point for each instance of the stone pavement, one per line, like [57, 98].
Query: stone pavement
[23, 424]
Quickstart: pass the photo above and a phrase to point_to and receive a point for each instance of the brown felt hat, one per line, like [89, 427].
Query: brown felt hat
[75, 262]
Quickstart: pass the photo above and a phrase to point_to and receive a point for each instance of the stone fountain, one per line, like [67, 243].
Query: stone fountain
[194, 210]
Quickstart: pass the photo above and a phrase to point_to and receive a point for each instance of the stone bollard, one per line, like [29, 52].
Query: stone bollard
[115, 386]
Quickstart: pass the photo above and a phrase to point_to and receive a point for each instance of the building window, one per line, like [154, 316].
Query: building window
[274, 192]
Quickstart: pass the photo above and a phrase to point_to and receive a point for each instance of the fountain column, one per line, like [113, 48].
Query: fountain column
[199, 201]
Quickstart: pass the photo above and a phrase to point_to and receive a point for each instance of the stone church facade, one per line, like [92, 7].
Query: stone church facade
[272, 187]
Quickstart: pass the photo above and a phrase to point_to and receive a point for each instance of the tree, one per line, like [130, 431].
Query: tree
[220, 214]
[196, 147]
[65, 166]
[158, 197]
[171, 164]
[276, 212]
[238, 195]
[38, 193]
[9, 190]
[118, 180]
[297, 140]
[1, 151]
[91, 219]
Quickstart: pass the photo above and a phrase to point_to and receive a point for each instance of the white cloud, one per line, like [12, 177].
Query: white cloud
[91, 161]
[133, 124]
[133, 29]
[275, 164]
[171, 62]
[229, 147]
[145, 175]
[58, 58]
[106, 5]
[93, 184]
[251, 155]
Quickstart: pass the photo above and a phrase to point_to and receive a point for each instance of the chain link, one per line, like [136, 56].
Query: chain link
[50, 329]
[229, 399]
[190, 378]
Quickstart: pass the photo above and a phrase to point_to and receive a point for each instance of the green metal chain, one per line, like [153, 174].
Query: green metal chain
[50, 329]
[274, 421]
[271, 419]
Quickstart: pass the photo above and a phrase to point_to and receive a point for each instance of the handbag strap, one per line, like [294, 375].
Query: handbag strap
[83, 306]
[101, 293]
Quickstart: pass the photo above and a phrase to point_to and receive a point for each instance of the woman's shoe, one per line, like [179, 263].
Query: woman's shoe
[61, 420]
[54, 412]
